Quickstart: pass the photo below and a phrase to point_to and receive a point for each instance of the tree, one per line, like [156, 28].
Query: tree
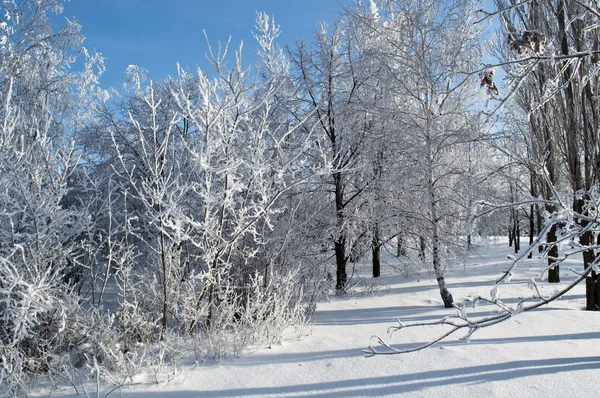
[554, 113]
[331, 80]
[44, 107]
[425, 46]
[552, 50]
[206, 164]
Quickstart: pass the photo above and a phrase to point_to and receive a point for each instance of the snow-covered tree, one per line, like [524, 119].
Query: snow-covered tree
[44, 107]
[204, 169]
[550, 59]
[426, 47]
[331, 82]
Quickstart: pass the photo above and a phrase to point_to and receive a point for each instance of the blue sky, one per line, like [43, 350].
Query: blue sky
[156, 34]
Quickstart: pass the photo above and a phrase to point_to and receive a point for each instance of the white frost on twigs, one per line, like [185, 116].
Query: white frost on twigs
[495, 293]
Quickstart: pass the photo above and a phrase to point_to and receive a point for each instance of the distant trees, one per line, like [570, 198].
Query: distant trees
[550, 59]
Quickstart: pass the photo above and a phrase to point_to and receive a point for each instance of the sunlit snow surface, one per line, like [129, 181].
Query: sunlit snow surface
[551, 352]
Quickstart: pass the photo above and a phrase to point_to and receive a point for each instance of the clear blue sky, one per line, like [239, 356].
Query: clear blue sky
[156, 34]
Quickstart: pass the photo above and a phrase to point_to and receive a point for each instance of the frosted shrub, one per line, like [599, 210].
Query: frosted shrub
[33, 322]
[263, 321]
[44, 330]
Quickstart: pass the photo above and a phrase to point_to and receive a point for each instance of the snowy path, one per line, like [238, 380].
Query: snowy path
[551, 352]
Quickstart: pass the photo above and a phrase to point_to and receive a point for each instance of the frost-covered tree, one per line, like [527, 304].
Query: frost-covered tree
[554, 46]
[203, 170]
[550, 59]
[331, 81]
[426, 47]
[44, 107]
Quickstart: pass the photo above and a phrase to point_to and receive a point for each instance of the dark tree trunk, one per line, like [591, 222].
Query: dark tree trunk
[531, 229]
[517, 234]
[422, 247]
[587, 239]
[592, 292]
[592, 286]
[376, 252]
[553, 267]
[447, 298]
[340, 261]
[340, 241]
[515, 244]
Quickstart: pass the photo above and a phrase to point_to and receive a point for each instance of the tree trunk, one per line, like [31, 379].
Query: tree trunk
[165, 281]
[340, 241]
[515, 245]
[435, 245]
[587, 239]
[532, 211]
[400, 248]
[592, 292]
[531, 229]
[211, 311]
[376, 252]
[592, 284]
[422, 247]
[517, 234]
[553, 267]
[340, 260]
[437, 266]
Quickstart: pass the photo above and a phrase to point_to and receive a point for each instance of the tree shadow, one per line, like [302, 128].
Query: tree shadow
[363, 316]
[304, 357]
[408, 382]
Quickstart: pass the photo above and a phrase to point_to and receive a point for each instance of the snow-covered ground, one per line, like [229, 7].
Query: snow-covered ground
[550, 352]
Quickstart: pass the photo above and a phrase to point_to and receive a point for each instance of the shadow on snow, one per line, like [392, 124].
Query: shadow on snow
[403, 383]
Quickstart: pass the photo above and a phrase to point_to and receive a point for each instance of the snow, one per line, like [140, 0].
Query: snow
[550, 352]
